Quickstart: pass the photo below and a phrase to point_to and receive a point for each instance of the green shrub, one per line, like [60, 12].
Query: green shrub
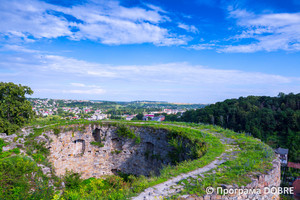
[41, 152]
[72, 180]
[124, 131]
[38, 157]
[82, 128]
[8, 153]
[2, 144]
[99, 144]
[18, 182]
[56, 131]
[138, 183]
[110, 188]
[16, 150]
[197, 149]
[15, 139]
[116, 151]
[138, 140]
[178, 152]
[37, 132]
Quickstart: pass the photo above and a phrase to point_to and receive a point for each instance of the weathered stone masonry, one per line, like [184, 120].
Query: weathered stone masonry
[72, 150]
[270, 179]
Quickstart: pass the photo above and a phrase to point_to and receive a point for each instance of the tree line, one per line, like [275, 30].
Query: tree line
[274, 120]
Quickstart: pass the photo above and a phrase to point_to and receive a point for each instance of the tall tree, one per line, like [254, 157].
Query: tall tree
[15, 110]
[139, 116]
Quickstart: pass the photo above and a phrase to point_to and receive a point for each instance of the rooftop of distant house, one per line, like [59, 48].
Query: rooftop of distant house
[294, 165]
[282, 151]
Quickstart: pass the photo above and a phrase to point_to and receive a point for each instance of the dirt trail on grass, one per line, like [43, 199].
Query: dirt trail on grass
[171, 186]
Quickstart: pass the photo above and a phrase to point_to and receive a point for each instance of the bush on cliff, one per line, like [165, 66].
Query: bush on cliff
[21, 178]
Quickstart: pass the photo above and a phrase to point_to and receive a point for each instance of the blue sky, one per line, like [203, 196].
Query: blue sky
[197, 51]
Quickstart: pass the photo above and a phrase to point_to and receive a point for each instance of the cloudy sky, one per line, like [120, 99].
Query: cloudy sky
[196, 51]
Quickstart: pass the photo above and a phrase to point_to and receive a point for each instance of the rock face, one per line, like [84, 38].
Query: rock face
[72, 150]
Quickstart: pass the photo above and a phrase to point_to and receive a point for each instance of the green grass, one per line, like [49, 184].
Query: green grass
[116, 151]
[2, 144]
[4, 154]
[125, 132]
[254, 157]
[98, 144]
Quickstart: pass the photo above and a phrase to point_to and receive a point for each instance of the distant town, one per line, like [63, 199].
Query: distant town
[99, 110]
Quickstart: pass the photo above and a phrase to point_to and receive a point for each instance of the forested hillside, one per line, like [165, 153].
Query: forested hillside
[275, 120]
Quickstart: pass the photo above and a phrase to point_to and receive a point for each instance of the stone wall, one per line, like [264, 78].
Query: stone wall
[73, 151]
[259, 183]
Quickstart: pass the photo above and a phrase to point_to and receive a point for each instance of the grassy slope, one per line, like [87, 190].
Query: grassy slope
[254, 157]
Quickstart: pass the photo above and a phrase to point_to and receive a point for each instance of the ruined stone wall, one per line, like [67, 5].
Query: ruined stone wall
[72, 150]
[259, 183]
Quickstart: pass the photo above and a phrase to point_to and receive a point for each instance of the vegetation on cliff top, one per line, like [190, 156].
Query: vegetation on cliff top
[274, 120]
[253, 157]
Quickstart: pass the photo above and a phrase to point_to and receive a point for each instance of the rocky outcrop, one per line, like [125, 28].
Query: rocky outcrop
[12, 142]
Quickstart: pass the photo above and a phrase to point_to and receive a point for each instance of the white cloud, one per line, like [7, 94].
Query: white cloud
[268, 32]
[104, 22]
[18, 49]
[92, 91]
[259, 32]
[59, 76]
[202, 46]
[83, 85]
[189, 28]
[78, 84]
[249, 48]
[30, 18]
[170, 73]
[156, 8]
[74, 66]
[97, 91]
